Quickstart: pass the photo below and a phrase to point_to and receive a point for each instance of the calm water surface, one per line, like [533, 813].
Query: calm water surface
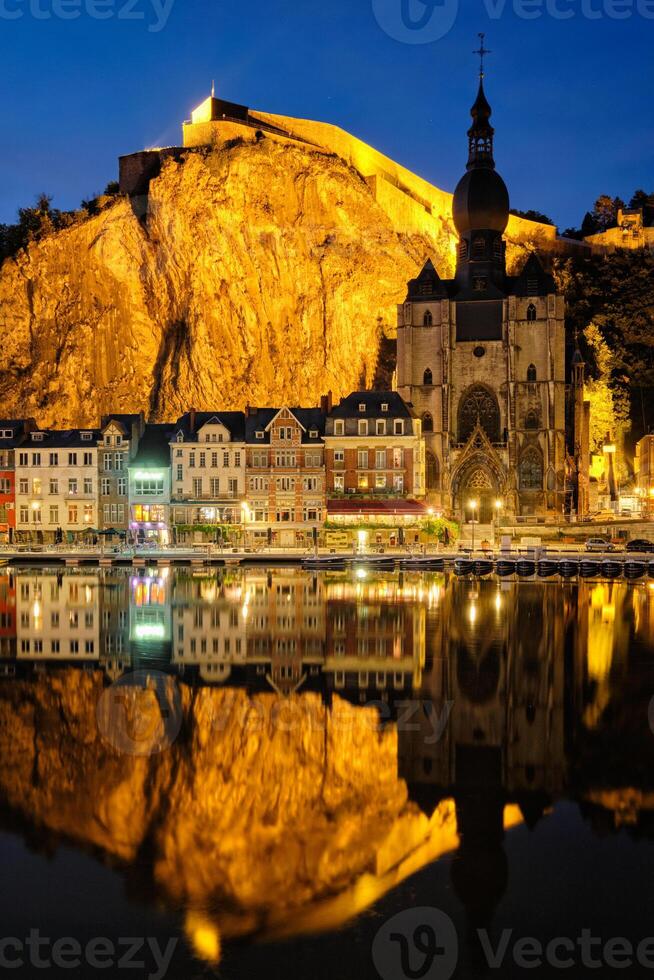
[266, 766]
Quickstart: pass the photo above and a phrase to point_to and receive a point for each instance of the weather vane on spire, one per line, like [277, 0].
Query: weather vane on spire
[482, 52]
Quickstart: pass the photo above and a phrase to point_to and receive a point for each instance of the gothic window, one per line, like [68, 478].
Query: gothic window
[530, 470]
[427, 422]
[497, 248]
[531, 312]
[431, 471]
[531, 373]
[531, 419]
[479, 248]
[428, 319]
[479, 405]
[428, 377]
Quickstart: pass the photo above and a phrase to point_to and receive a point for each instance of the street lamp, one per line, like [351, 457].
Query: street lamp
[473, 505]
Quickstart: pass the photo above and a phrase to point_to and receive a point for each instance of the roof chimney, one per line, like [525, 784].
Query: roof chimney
[326, 402]
[191, 415]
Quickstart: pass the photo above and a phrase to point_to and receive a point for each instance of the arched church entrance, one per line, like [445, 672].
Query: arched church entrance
[477, 484]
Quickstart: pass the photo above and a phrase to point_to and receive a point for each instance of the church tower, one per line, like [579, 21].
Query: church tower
[482, 358]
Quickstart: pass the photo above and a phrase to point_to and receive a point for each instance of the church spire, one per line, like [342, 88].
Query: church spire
[481, 133]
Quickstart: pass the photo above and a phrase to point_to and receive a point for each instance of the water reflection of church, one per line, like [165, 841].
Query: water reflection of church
[522, 674]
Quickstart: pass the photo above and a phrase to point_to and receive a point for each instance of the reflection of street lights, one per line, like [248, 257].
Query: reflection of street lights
[245, 515]
[473, 505]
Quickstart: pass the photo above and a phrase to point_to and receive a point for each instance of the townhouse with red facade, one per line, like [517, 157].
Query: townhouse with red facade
[285, 474]
[375, 464]
[13, 433]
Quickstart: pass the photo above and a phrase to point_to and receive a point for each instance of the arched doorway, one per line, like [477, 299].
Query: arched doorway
[479, 484]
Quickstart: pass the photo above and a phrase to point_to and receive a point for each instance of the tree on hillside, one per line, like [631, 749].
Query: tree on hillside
[533, 216]
[33, 223]
[605, 213]
[641, 199]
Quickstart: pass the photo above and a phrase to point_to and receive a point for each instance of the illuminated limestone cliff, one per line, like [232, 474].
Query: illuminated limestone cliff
[262, 272]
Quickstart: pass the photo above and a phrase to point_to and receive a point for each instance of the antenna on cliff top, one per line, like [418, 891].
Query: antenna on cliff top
[482, 52]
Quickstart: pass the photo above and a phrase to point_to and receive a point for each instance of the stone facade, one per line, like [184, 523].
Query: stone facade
[481, 358]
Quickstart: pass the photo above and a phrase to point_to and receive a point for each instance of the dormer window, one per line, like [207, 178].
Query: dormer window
[6, 433]
[86, 436]
[362, 407]
[259, 434]
[37, 437]
[180, 437]
[384, 407]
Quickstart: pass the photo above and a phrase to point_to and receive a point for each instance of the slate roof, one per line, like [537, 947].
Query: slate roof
[234, 422]
[373, 400]
[311, 419]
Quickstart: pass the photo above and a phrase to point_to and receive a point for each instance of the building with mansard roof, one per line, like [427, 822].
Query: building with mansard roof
[481, 358]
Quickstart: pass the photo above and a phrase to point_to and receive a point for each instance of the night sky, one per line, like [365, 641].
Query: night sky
[572, 99]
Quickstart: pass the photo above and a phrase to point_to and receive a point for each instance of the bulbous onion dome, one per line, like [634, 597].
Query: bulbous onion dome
[481, 202]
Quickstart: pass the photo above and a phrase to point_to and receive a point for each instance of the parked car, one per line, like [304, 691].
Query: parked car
[640, 545]
[599, 544]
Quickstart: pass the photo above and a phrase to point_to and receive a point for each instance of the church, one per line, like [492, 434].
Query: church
[481, 358]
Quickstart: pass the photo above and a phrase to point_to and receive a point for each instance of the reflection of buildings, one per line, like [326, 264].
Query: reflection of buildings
[57, 617]
[500, 674]
[285, 618]
[7, 616]
[150, 618]
[376, 637]
[208, 627]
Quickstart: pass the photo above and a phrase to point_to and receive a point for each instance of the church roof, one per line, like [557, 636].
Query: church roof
[533, 280]
[428, 285]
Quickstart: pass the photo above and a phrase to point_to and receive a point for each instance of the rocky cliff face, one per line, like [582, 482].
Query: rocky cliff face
[262, 274]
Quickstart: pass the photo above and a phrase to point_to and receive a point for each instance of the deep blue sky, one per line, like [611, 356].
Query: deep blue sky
[572, 99]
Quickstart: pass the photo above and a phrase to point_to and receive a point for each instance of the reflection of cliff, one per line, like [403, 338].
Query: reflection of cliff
[248, 780]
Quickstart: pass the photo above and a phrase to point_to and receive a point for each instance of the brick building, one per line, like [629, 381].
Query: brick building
[373, 447]
[285, 474]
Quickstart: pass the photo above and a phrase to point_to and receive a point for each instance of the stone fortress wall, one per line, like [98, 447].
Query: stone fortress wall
[413, 204]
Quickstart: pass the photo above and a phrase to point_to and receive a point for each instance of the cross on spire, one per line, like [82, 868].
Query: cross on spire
[482, 52]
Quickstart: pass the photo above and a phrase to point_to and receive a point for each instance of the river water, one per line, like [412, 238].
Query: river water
[273, 773]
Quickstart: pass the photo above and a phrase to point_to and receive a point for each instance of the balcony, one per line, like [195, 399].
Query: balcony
[199, 498]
